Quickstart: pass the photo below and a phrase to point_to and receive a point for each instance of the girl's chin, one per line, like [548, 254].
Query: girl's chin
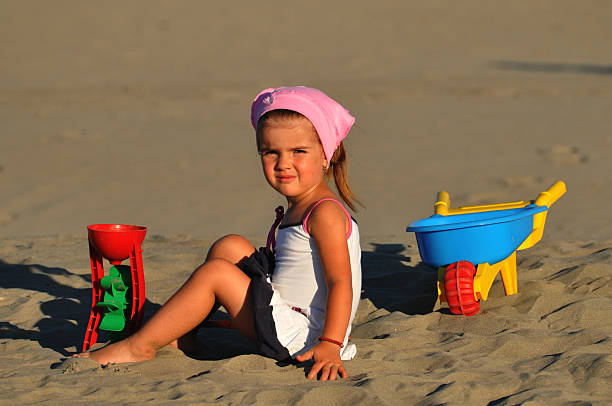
[287, 191]
[290, 190]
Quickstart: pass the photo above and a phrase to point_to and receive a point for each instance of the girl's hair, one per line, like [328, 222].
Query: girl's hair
[338, 167]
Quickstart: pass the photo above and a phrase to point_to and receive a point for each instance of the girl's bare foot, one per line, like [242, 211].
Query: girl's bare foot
[120, 352]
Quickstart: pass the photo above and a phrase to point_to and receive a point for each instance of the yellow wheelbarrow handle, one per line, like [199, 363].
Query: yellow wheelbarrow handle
[545, 198]
[551, 195]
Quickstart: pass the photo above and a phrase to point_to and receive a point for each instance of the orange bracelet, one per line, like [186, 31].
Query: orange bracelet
[329, 340]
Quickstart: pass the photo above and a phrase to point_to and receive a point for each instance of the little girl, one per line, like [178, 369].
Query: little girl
[297, 297]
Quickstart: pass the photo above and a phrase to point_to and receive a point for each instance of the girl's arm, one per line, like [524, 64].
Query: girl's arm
[328, 226]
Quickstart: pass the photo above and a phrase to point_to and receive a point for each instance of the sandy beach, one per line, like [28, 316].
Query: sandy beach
[138, 113]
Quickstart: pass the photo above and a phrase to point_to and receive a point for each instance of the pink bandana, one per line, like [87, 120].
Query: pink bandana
[330, 119]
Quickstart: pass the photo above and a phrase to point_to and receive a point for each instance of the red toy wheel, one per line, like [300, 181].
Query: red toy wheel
[459, 287]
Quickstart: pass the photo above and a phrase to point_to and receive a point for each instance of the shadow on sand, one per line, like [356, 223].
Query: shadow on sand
[544, 67]
[390, 283]
[66, 313]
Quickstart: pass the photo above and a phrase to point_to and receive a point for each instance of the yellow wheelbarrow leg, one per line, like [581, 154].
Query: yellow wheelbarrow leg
[441, 291]
[509, 275]
[485, 275]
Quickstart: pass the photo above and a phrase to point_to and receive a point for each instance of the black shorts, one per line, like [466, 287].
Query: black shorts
[259, 266]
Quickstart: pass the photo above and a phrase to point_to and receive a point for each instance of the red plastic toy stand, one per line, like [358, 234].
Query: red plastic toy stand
[115, 242]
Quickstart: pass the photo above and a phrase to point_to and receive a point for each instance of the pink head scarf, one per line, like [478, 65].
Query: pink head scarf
[329, 118]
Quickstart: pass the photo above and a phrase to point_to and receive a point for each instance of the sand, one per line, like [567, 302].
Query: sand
[137, 113]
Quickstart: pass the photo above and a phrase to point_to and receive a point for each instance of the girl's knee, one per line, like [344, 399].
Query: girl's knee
[234, 240]
[232, 248]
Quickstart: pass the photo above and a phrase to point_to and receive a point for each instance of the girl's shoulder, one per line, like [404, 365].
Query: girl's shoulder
[328, 214]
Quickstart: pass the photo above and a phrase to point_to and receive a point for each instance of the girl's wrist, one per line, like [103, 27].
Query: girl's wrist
[331, 340]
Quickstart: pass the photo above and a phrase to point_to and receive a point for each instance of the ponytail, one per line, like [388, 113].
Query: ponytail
[338, 167]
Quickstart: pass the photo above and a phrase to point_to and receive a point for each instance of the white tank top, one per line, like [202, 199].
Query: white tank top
[298, 275]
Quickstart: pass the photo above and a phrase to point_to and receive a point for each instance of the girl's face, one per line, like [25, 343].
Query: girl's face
[292, 157]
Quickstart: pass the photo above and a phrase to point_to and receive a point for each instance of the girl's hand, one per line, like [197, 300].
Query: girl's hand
[327, 360]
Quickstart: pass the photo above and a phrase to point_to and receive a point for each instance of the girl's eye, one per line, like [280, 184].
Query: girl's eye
[300, 151]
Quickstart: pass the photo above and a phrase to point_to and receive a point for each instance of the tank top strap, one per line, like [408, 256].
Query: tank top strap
[305, 222]
[271, 242]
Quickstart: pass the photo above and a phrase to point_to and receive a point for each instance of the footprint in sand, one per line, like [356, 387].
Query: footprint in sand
[525, 182]
[6, 217]
[76, 365]
[71, 135]
[563, 154]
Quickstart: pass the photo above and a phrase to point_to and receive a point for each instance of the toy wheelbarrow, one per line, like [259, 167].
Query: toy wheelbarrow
[454, 239]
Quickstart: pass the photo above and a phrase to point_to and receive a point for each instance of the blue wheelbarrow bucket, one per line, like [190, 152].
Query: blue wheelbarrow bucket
[482, 237]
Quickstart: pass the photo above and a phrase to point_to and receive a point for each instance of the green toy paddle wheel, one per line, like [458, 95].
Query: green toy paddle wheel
[116, 307]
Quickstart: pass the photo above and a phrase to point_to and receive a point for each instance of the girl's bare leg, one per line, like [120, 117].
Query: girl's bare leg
[217, 279]
[233, 248]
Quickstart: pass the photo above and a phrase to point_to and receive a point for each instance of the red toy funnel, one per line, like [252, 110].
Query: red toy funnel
[115, 241]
